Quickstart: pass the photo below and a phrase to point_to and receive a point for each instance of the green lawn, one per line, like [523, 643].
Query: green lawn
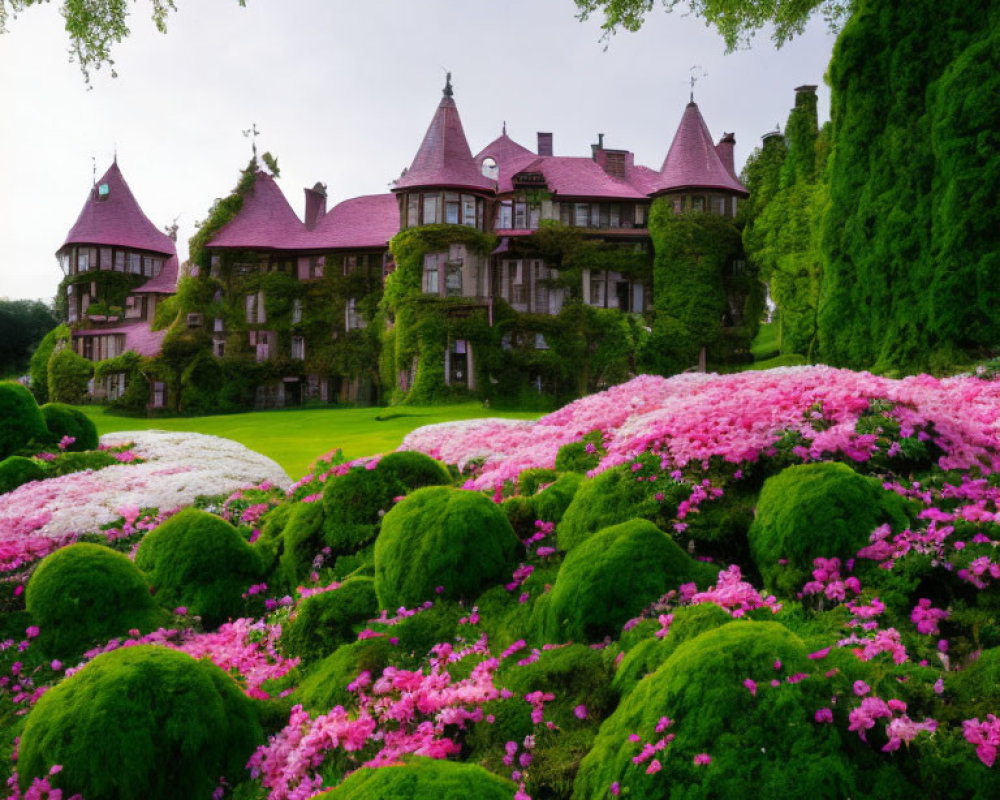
[295, 437]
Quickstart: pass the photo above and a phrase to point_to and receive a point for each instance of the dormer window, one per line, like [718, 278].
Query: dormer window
[103, 191]
[490, 168]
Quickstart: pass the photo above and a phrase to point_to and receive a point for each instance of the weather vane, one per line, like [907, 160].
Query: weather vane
[697, 73]
[251, 133]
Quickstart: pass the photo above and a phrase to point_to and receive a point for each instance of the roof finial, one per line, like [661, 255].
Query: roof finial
[448, 91]
[504, 128]
[114, 160]
[697, 73]
[93, 169]
[251, 133]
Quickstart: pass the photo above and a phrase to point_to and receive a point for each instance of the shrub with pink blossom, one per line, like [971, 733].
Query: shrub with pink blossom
[423, 779]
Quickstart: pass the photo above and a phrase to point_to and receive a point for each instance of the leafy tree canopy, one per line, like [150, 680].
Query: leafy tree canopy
[736, 20]
[94, 26]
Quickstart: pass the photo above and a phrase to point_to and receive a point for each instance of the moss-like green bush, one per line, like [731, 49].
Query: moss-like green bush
[20, 419]
[768, 744]
[69, 375]
[324, 621]
[66, 463]
[144, 722]
[415, 470]
[816, 510]
[301, 539]
[530, 479]
[39, 368]
[63, 420]
[85, 594]
[17, 470]
[199, 561]
[551, 503]
[325, 684]
[439, 536]
[416, 635]
[353, 504]
[423, 779]
[611, 577]
[573, 457]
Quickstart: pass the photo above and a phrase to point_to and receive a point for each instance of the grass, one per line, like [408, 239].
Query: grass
[295, 437]
[765, 352]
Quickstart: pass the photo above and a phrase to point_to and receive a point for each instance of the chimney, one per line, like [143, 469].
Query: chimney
[315, 205]
[725, 151]
[544, 144]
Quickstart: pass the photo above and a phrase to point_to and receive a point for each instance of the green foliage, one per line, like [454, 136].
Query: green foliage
[300, 539]
[20, 419]
[573, 457]
[23, 324]
[529, 480]
[324, 621]
[439, 536]
[353, 504]
[17, 470]
[415, 470]
[809, 511]
[67, 463]
[69, 374]
[144, 722]
[611, 577]
[83, 595]
[199, 561]
[136, 396]
[422, 779]
[39, 367]
[325, 684]
[551, 503]
[769, 741]
[221, 213]
[63, 420]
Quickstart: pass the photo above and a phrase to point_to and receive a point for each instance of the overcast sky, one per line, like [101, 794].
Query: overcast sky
[342, 93]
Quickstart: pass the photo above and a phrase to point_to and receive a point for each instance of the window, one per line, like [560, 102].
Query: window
[255, 308]
[157, 266]
[219, 325]
[596, 291]
[534, 217]
[298, 348]
[219, 347]
[541, 290]
[147, 266]
[581, 214]
[296, 311]
[698, 204]
[159, 394]
[719, 206]
[640, 216]
[432, 264]
[350, 264]
[432, 209]
[352, 319]
[105, 258]
[263, 344]
[595, 215]
[134, 263]
[518, 295]
[490, 168]
[451, 208]
[468, 210]
[82, 260]
[540, 343]
[119, 261]
[412, 210]
[453, 281]
[520, 215]
[505, 215]
[677, 205]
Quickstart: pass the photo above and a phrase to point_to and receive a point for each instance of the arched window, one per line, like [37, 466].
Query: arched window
[490, 168]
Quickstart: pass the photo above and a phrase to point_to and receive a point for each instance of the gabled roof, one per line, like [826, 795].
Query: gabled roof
[692, 160]
[265, 222]
[444, 158]
[164, 283]
[117, 219]
[572, 176]
[368, 221]
[502, 149]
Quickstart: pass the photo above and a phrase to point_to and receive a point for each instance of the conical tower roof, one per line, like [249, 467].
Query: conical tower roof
[692, 161]
[266, 220]
[444, 158]
[112, 217]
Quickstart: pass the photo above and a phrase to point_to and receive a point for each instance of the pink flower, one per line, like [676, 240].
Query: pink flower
[751, 685]
[702, 759]
[824, 715]
[615, 789]
[654, 767]
[861, 688]
[31, 631]
[580, 712]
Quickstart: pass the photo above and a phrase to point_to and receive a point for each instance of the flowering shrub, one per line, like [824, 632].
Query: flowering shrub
[323, 621]
[69, 426]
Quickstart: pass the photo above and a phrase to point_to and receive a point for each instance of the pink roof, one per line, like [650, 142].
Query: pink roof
[117, 220]
[369, 221]
[693, 161]
[444, 157]
[572, 176]
[502, 149]
[164, 283]
[266, 221]
[138, 337]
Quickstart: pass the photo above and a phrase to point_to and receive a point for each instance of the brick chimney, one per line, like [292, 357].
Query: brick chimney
[725, 151]
[315, 205]
[544, 144]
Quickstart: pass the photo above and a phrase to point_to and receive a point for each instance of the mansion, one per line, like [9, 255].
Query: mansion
[498, 247]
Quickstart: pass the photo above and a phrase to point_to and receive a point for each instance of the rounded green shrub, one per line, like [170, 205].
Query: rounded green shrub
[611, 577]
[325, 683]
[324, 621]
[417, 634]
[353, 505]
[85, 594]
[39, 368]
[21, 421]
[423, 779]
[530, 479]
[63, 420]
[301, 538]
[142, 721]
[67, 463]
[768, 744]
[551, 503]
[820, 510]
[442, 537]
[573, 457]
[17, 470]
[415, 470]
[199, 561]
[69, 375]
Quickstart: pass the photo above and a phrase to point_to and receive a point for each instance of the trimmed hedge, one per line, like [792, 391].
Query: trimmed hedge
[200, 561]
[610, 578]
[353, 504]
[142, 721]
[17, 470]
[551, 503]
[415, 470]
[69, 375]
[442, 537]
[324, 621]
[63, 420]
[820, 510]
[20, 419]
[423, 779]
[85, 594]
